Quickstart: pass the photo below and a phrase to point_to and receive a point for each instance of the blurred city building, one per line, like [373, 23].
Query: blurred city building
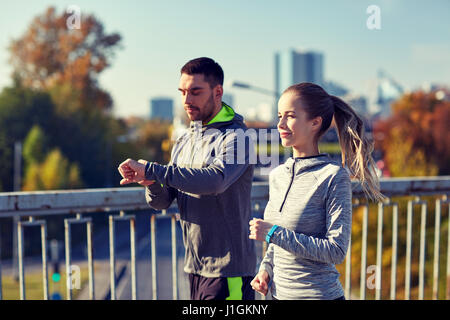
[161, 108]
[382, 91]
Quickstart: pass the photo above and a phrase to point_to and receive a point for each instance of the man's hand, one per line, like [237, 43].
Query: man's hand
[259, 229]
[261, 282]
[133, 171]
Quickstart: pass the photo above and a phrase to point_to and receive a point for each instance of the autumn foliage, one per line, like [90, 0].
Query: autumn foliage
[49, 55]
[415, 140]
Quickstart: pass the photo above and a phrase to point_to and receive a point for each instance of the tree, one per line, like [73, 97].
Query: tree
[5, 159]
[56, 172]
[20, 109]
[416, 137]
[155, 137]
[51, 56]
[35, 145]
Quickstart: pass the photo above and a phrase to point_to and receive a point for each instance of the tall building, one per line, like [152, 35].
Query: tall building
[335, 89]
[294, 66]
[161, 108]
[382, 92]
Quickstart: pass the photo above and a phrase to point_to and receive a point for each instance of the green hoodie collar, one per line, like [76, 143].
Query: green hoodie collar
[225, 114]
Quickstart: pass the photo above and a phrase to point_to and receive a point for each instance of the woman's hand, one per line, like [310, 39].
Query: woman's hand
[261, 282]
[259, 229]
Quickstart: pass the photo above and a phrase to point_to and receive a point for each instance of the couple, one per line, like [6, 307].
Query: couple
[307, 221]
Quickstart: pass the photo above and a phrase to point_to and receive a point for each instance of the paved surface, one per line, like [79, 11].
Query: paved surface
[143, 262]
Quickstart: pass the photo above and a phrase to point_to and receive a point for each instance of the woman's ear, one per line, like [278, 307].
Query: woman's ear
[316, 124]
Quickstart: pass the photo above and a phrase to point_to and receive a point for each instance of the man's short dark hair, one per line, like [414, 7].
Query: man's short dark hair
[210, 69]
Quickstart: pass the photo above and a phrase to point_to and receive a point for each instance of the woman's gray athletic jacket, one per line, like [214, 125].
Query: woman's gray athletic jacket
[310, 201]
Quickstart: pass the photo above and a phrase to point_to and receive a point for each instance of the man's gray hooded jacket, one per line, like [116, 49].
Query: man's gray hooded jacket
[210, 174]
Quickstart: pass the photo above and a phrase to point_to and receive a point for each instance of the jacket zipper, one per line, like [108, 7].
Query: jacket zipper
[196, 133]
[289, 188]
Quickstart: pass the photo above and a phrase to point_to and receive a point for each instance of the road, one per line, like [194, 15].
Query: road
[143, 261]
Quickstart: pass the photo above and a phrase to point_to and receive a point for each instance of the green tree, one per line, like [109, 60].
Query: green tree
[56, 172]
[35, 145]
[154, 136]
[20, 109]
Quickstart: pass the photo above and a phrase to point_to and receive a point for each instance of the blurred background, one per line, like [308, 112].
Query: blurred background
[86, 84]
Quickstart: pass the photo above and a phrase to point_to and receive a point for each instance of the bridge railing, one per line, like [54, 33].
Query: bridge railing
[30, 207]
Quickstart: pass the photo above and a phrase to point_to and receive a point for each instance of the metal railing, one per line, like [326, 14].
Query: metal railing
[79, 202]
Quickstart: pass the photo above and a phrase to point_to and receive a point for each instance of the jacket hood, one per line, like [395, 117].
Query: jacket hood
[225, 117]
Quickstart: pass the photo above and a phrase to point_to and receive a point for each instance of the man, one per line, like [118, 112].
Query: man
[211, 178]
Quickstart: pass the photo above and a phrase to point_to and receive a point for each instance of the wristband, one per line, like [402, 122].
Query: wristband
[270, 233]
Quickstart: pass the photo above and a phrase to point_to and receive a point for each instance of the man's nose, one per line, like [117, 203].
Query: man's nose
[188, 99]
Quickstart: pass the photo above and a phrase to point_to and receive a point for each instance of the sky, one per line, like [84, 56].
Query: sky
[158, 37]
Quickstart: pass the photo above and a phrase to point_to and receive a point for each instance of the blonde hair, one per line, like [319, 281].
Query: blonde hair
[355, 146]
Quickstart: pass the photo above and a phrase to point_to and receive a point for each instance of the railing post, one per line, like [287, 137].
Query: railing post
[379, 252]
[447, 295]
[408, 250]
[90, 245]
[68, 246]
[133, 258]
[68, 251]
[410, 212]
[1, 295]
[44, 259]
[20, 226]
[20, 250]
[362, 294]
[423, 221]
[112, 258]
[132, 221]
[381, 207]
[437, 236]
[394, 250]
[153, 255]
[348, 260]
[174, 258]
[437, 225]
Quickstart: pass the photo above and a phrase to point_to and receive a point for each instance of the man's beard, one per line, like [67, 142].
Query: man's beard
[207, 111]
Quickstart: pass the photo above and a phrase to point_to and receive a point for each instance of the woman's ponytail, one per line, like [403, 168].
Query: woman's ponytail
[356, 148]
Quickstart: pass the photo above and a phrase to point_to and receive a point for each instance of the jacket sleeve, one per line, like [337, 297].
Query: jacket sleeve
[159, 197]
[227, 166]
[267, 261]
[333, 247]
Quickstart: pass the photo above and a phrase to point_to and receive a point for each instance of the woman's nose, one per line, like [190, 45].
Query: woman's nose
[281, 124]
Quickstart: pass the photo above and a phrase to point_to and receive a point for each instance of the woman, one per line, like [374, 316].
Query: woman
[307, 221]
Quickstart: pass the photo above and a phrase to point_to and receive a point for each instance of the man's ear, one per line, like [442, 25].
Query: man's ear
[218, 92]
